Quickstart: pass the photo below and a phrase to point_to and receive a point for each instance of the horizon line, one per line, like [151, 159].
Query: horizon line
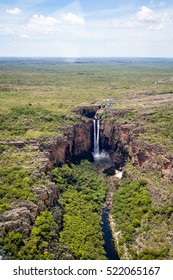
[79, 57]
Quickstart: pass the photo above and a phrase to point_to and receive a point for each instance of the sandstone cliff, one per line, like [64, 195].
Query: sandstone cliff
[76, 142]
[125, 137]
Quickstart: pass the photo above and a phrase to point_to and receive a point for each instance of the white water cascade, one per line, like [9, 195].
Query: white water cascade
[96, 124]
[99, 156]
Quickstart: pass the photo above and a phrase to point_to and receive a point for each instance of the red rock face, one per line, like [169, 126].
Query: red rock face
[82, 140]
[75, 142]
[143, 155]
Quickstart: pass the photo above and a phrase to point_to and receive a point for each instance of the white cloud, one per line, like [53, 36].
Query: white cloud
[42, 24]
[14, 11]
[146, 15]
[43, 21]
[73, 19]
[153, 20]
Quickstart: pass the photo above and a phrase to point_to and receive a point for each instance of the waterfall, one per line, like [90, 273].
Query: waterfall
[96, 125]
[100, 156]
[98, 137]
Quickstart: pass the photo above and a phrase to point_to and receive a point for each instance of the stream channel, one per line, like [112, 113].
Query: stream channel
[103, 157]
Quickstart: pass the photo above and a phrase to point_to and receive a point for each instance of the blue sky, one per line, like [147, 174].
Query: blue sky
[65, 28]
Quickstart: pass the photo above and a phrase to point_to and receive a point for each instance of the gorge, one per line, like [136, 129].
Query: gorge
[92, 139]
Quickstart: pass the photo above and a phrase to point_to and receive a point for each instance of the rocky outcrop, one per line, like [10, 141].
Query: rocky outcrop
[20, 218]
[20, 144]
[22, 215]
[75, 143]
[46, 196]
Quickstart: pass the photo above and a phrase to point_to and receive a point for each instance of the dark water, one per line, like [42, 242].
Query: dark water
[111, 253]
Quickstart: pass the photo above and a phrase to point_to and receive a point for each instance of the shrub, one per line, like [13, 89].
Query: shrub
[151, 254]
[4, 207]
[13, 243]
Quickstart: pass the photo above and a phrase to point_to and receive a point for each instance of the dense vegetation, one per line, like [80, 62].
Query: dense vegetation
[16, 184]
[131, 202]
[43, 232]
[82, 197]
[43, 243]
[138, 217]
[81, 194]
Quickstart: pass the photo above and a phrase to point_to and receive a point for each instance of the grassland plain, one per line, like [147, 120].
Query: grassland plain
[38, 98]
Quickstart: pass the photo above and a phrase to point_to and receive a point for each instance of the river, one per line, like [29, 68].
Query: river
[109, 246]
